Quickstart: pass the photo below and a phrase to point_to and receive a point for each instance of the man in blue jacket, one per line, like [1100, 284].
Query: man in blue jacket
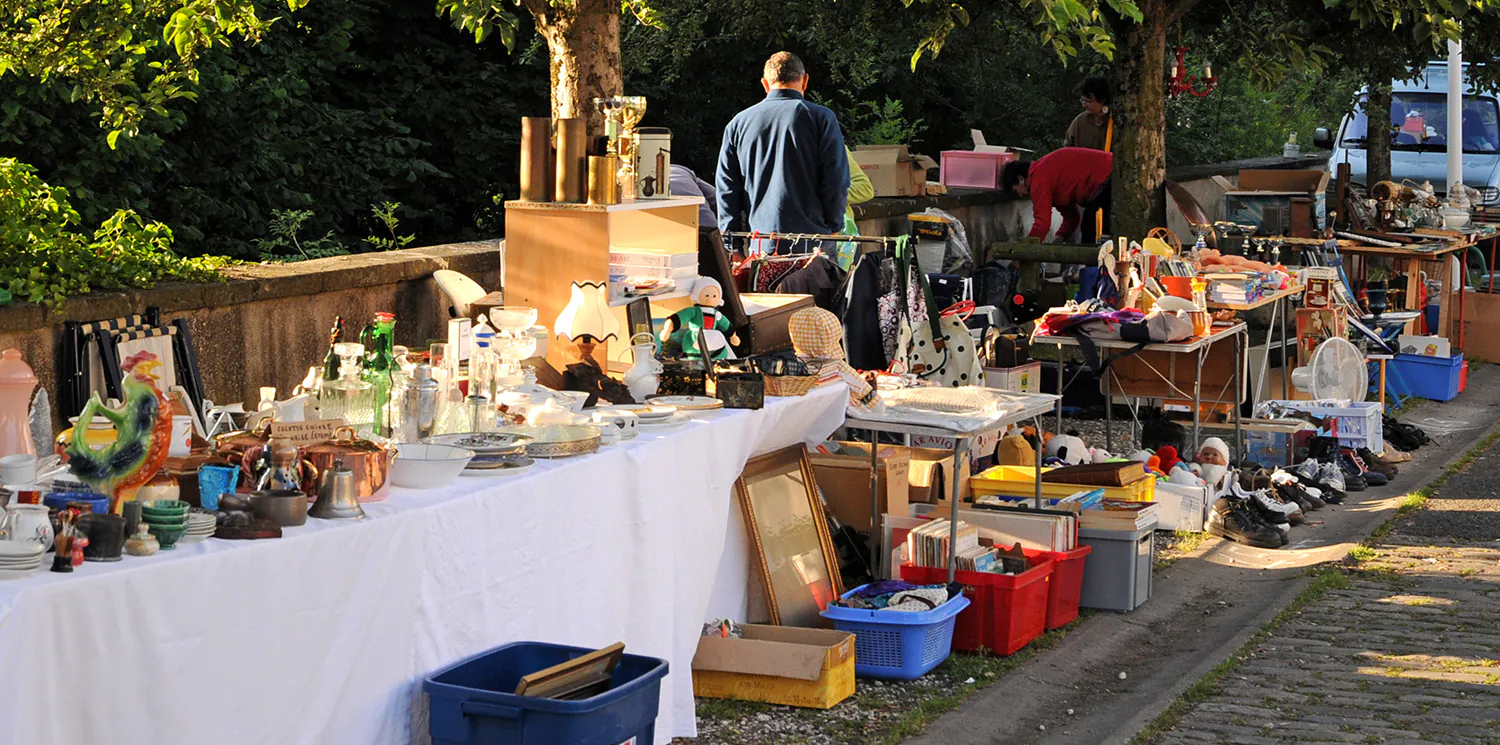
[782, 166]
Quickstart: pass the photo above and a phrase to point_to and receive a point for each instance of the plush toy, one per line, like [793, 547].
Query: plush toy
[1141, 456]
[1213, 451]
[1183, 474]
[683, 326]
[1100, 455]
[1070, 449]
[1169, 458]
[1015, 450]
[1153, 466]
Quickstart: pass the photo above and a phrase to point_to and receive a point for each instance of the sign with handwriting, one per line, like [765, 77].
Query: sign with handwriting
[303, 434]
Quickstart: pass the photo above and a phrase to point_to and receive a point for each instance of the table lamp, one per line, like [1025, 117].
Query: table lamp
[587, 319]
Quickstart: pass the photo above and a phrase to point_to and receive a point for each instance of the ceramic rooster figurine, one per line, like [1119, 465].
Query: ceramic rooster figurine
[144, 426]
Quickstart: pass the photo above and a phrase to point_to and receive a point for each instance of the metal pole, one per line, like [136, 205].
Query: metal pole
[1241, 344]
[1197, 397]
[875, 532]
[1060, 384]
[1037, 461]
[1109, 413]
[1286, 366]
[1455, 114]
[958, 442]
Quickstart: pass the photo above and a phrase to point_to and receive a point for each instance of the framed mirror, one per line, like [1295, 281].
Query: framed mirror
[798, 568]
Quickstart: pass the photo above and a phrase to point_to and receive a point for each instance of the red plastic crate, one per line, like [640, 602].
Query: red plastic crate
[1006, 611]
[1066, 585]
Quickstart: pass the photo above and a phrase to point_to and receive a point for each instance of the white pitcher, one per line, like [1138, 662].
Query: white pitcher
[28, 522]
[644, 376]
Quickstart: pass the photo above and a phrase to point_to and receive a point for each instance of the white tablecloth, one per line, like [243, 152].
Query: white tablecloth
[323, 637]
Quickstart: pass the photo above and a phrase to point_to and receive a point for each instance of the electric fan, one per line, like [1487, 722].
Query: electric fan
[1336, 370]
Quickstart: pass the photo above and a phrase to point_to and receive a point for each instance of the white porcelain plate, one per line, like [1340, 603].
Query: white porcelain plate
[689, 403]
[644, 412]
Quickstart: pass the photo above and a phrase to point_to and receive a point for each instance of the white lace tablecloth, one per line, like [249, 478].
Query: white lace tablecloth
[323, 637]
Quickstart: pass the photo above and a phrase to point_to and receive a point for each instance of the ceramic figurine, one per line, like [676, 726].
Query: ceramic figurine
[644, 376]
[142, 543]
[683, 326]
[144, 427]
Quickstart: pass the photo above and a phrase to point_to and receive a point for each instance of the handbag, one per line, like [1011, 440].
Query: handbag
[929, 345]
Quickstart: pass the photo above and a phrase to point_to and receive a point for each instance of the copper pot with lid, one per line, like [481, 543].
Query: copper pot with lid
[369, 460]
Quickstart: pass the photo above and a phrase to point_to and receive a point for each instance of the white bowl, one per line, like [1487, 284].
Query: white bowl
[419, 466]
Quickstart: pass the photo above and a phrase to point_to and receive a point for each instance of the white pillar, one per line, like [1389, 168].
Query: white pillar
[1455, 114]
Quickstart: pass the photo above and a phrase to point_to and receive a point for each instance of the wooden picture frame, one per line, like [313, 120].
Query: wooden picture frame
[578, 678]
[797, 565]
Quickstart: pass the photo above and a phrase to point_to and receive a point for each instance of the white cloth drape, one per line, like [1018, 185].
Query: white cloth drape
[323, 637]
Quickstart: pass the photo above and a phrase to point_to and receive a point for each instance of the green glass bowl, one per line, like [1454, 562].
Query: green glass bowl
[165, 509]
[168, 536]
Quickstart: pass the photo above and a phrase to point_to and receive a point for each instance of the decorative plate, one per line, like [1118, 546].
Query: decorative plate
[644, 412]
[485, 444]
[558, 440]
[672, 422]
[687, 403]
[499, 467]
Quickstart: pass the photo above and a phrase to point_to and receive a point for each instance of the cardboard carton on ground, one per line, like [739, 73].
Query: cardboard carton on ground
[1427, 346]
[893, 171]
[929, 473]
[845, 483]
[811, 668]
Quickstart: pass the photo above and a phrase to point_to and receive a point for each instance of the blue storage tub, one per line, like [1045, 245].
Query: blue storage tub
[1424, 377]
[897, 645]
[470, 702]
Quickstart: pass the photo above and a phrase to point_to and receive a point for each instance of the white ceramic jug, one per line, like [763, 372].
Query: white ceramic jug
[28, 522]
[644, 376]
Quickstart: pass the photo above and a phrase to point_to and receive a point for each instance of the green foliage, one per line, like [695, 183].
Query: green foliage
[385, 216]
[884, 123]
[45, 257]
[284, 238]
[485, 17]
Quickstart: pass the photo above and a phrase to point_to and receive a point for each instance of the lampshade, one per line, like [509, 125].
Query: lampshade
[588, 314]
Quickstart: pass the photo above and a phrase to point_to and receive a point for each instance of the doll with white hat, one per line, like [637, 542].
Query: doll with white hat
[682, 327]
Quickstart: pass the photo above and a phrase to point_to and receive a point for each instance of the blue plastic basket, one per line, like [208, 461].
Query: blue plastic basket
[897, 645]
[1425, 377]
[470, 702]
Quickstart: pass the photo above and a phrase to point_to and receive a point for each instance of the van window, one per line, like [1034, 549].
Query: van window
[1419, 121]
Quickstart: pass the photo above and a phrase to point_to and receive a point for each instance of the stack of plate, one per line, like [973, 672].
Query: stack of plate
[687, 403]
[200, 525]
[654, 415]
[494, 452]
[19, 558]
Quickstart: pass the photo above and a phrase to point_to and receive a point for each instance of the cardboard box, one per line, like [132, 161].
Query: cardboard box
[1426, 346]
[893, 171]
[811, 668]
[845, 483]
[1316, 325]
[1169, 375]
[1024, 379]
[929, 471]
[1271, 199]
[1181, 506]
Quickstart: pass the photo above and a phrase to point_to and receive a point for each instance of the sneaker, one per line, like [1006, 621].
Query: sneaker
[1330, 480]
[1255, 478]
[1354, 476]
[1372, 478]
[1272, 510]
[1291, 488]
[1234, 520]
[1376, 463]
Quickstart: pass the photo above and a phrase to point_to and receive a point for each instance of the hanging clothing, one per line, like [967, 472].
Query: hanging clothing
[819, 277]
[860, 312]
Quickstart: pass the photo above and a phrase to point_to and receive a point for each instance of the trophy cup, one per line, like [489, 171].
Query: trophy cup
[622, 115]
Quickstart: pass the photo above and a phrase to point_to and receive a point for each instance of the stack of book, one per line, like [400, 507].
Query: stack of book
[649, 272]
[1117, 515]
[1238, 288]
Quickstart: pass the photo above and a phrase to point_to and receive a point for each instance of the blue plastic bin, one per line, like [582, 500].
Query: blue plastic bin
[470, 702]
[1424, 377]
[896, 645]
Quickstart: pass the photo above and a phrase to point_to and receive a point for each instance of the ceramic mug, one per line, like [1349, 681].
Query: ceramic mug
[18, 469]
[28, 522]
[625, 422]
[181, 444]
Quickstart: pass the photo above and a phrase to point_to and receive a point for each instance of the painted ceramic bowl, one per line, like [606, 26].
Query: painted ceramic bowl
[165, 509]
[168, 536]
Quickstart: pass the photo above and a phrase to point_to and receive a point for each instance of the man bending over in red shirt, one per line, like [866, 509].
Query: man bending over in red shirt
[1070, 179]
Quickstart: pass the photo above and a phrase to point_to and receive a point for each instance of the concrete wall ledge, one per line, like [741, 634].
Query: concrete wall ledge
[1233, 167]
[260, 282]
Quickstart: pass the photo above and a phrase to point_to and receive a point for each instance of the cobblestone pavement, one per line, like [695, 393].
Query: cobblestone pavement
[1405, 653]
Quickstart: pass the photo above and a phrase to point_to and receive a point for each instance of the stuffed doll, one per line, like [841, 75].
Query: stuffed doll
[1169, 458]
[682, 327]
[1070, 449]
[1015, 450]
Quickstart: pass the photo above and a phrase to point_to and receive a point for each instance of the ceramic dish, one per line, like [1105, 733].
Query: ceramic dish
[21, 550]
[501, 444]
[525, 401]
[419, 466]
[559, 440]
[502, 467]
[687, 403]
[672, 422]
[646, 413]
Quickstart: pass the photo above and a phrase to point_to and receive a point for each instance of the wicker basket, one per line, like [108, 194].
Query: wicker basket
[790, 385]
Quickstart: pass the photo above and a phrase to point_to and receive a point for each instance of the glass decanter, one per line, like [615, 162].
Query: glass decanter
[349, 397]
[380, 360]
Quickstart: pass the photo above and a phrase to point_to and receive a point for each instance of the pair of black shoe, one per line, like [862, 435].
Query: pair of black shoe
[1243, 521]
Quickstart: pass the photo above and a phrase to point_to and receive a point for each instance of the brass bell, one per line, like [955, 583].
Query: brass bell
[338, 495]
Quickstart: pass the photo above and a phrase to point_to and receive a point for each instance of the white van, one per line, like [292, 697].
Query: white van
[1419, 140]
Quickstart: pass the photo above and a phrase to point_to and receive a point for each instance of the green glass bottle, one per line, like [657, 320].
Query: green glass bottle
[380, 357]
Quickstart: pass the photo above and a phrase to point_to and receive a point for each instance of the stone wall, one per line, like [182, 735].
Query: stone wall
[268, 323]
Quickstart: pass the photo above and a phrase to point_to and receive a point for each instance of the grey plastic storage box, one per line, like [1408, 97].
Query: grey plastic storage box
[1117, 574]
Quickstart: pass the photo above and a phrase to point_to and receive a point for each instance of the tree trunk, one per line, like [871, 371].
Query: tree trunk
[583, 47]
[1140, 114]
[1378, 134]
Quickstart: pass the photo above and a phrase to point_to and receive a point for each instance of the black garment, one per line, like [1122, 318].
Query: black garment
[860, 312]
[821, 278]
[1100, 203]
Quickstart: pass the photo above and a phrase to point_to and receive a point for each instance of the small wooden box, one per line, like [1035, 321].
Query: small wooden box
[682, 378]
[768, 328]
[739, 389]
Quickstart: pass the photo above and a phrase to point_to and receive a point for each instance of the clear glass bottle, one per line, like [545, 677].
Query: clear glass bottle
[483, 364]
[349, 397]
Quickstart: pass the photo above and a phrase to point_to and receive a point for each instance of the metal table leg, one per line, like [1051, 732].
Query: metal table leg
[1197, 399]
[1060, 384]
[1241, 346]
[1286, 366]
[1037, 461]
[876, 565]
[958, 442]
[1109, 412]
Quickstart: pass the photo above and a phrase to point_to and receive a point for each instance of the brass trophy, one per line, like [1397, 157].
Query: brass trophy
[622, 115]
